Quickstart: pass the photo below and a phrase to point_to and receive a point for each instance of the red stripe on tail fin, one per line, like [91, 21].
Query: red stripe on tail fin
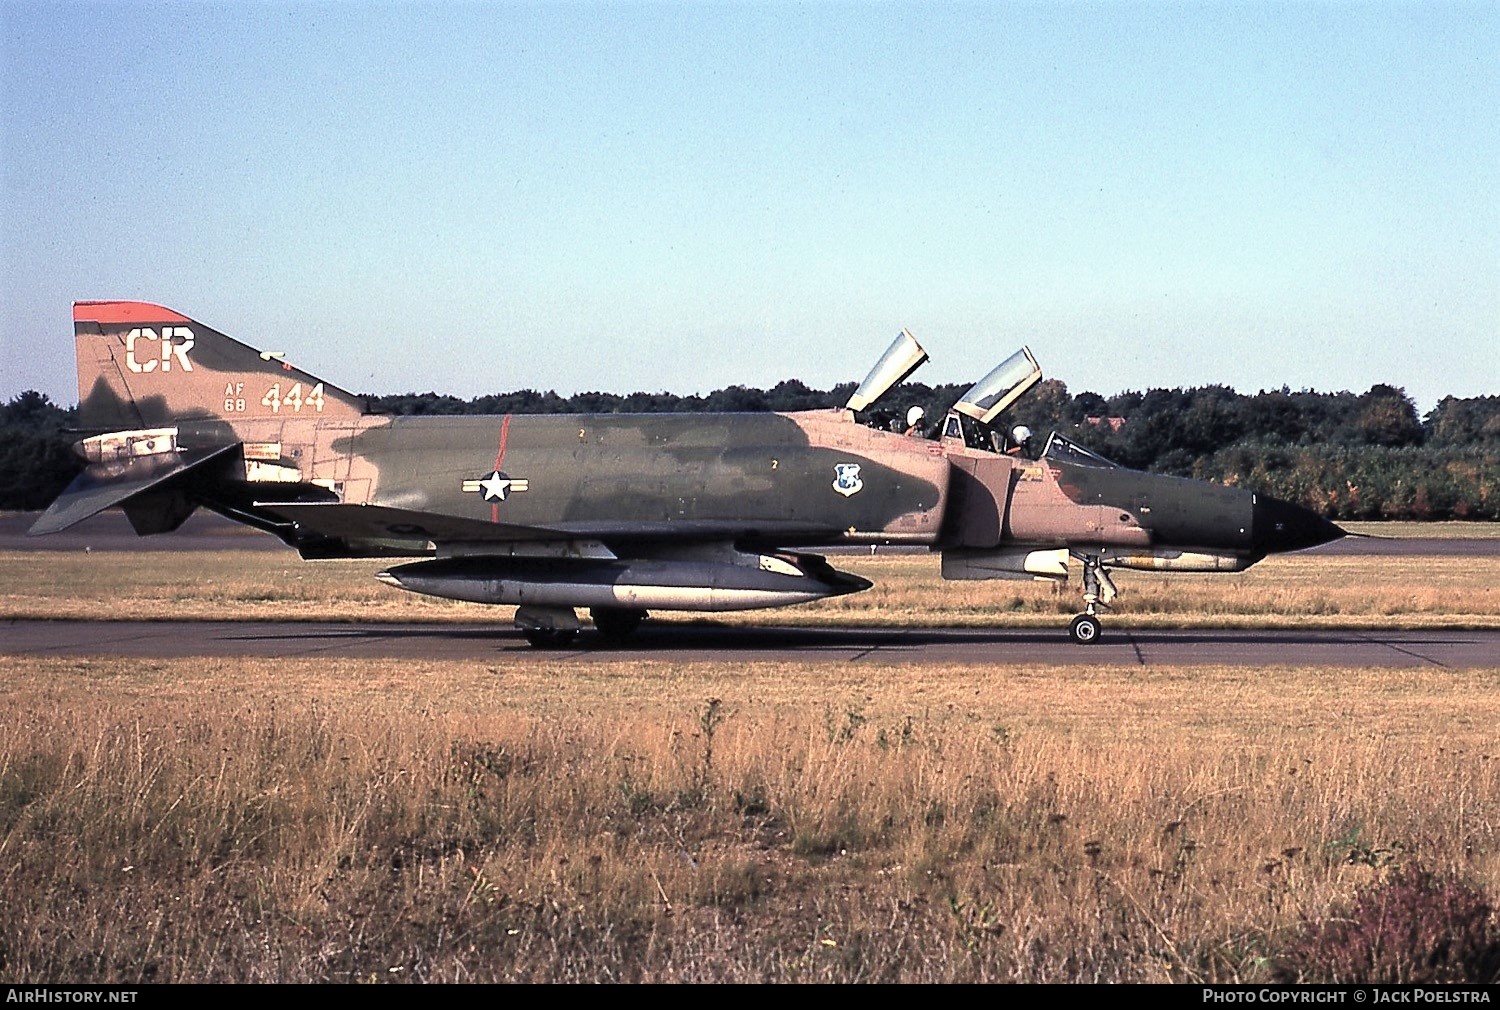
[125, 312]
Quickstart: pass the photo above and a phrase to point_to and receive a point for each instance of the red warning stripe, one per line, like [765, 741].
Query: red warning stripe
[125, 312]
[499, 456]
[504, 433]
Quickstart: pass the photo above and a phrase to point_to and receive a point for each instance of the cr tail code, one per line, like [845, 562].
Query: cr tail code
[174, 342]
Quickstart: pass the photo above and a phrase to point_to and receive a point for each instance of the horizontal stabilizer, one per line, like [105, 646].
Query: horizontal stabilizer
[102, 485]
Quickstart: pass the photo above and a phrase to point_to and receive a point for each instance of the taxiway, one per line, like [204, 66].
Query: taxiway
[707, 641]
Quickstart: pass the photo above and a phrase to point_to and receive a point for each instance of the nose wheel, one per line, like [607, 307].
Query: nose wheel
[1085, 629]
[1098, 591]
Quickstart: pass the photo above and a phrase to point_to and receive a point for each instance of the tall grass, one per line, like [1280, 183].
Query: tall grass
[324, 820]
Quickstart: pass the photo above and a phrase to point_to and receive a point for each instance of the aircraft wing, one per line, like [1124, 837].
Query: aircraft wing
[382, 522]
[102, 485]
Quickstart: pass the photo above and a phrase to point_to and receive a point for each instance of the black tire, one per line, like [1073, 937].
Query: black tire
[1085, 629]
[549, 638]
[616, 623]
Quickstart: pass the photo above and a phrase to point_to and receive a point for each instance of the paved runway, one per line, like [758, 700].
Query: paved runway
[706, 641]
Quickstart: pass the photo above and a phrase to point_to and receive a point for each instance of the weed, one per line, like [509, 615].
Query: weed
[709, 720]
[1412, 928]
[24, 781]
[752, 802]
[843, 731]
[1353, 849]
[977, 924]
[638, 802]
[474, 764]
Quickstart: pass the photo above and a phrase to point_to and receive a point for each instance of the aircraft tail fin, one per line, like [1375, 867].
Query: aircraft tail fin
[144, 366]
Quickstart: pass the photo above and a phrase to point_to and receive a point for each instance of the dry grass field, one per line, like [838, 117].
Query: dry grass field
[337, 820]
[1300, 590]
[227, 820]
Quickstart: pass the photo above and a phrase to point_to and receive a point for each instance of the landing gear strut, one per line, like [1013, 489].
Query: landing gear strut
[1098, 591]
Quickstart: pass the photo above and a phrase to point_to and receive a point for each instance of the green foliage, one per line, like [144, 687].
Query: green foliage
[1346, 456]
[36, 460]
[1474, 422]
[1367, 482]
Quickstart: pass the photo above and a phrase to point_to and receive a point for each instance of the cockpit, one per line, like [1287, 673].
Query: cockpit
[970, 423]
[971, 433]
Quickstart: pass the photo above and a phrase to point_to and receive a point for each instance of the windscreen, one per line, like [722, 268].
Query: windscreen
[1064, 451]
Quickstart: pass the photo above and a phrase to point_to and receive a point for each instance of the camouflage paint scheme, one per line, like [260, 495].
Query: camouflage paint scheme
[613, 512]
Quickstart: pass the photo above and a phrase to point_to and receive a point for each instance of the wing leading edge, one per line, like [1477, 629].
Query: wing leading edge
[355, 523]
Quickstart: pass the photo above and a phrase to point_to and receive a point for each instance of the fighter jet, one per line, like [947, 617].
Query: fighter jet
[625, 514]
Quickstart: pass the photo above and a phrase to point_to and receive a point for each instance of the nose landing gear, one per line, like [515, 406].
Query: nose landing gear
[1098, 591]
[1085, 629]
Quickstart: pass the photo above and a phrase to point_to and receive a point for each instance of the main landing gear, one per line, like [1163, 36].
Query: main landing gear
[616, 623]
[549, 638]
[548, 627]
[558, 627]
[1098, 591]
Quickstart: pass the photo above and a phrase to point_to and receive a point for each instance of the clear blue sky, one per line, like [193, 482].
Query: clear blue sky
[478, 198]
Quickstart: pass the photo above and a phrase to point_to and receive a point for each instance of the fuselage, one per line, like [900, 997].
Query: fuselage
[800, 479]
[788, 478]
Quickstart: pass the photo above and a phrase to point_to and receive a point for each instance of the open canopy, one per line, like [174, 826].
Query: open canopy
[988, 398]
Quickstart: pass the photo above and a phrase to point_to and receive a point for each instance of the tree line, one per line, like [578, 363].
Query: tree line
[1345, 455]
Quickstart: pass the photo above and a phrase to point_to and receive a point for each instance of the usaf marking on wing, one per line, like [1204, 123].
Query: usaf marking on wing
[638, 512]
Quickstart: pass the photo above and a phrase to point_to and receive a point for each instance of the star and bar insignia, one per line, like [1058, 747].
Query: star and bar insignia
[497, 486]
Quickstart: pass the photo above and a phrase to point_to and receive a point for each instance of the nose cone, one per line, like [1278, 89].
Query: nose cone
[1281, 526]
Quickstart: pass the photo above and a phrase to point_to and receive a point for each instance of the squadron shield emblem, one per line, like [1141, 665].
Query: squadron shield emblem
[846, 479]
